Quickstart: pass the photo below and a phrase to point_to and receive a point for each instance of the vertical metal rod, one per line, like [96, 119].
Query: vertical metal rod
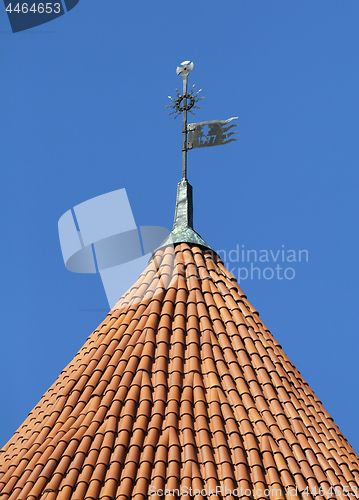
[184, 131]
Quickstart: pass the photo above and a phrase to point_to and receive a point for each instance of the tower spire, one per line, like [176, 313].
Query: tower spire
[182, 230]
[193, 136]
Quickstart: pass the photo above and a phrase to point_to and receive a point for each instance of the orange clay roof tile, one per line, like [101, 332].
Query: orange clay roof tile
[181, 384]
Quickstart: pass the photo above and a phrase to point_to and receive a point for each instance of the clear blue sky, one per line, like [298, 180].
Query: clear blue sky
[83, 113]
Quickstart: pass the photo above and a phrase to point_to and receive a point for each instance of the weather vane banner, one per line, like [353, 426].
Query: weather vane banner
[26, 15]
[212, 133]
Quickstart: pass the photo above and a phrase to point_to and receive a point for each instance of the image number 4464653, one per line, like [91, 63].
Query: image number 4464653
[25, 15]
[39, 8]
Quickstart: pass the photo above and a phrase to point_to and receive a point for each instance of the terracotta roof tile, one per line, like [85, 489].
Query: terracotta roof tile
[181, 384]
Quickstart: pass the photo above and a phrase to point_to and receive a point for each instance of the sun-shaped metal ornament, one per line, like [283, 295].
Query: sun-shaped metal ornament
[184, 102]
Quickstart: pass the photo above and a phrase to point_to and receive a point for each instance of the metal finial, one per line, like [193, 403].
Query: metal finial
[186, 101]
[181, 104]
[186, 67]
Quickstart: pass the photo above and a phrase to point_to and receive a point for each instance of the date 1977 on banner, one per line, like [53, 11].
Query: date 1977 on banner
[41, 8]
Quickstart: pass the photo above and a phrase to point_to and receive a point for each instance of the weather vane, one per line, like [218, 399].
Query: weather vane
[201, 134]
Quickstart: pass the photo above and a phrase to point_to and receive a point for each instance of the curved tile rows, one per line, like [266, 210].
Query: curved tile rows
[181, 388]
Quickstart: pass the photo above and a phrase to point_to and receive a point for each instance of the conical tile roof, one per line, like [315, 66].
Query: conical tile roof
[181, 386]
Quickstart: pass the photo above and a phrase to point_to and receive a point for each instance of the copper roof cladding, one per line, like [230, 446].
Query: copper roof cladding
[181, 385]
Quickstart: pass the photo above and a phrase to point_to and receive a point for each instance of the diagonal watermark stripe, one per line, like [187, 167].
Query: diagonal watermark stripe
[100, 235]
[27, 14]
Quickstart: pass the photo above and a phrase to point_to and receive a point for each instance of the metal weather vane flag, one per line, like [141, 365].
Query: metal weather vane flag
[201, 134]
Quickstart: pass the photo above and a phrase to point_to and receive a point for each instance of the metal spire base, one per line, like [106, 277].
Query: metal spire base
[183, 231]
